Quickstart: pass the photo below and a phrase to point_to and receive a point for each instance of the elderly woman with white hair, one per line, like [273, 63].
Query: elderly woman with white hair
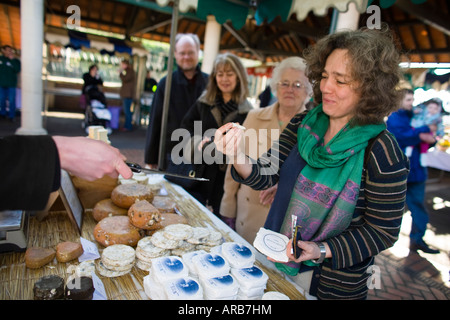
[242, 207]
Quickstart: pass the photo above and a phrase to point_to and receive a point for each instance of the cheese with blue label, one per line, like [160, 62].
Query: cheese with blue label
[238, 255]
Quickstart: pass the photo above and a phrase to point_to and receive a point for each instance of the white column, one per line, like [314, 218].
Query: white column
[212, 43]
[348, 20]
[32, 39]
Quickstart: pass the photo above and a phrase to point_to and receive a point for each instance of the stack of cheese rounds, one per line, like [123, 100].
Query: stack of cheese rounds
[146, 251]
[187, 258]
[238, 255]
[163, 269]
[204, 238]
[185, 288]
[252, 282]
[209, 265]
[174, 237]
[220, 288]
[116, 260]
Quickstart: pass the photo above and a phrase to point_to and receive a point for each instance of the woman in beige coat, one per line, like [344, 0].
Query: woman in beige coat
[245, 207]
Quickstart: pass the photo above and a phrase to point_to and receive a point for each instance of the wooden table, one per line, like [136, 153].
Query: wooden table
[16, 280]
[438, 159]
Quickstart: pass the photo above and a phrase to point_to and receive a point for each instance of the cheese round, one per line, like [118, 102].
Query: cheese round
[118, 257]
[146, 250]
[107, 208]
[81, 288]
[116, 230]
[171, 218]
[49, 287]
[67, 251]
[199, 235]
[110, 273]
[124, 195]
[36, 257]
[178, 231]
[159, 240]
[144, 215]
[164, 204]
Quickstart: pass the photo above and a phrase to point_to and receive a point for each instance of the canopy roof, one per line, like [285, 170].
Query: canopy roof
[266, 33]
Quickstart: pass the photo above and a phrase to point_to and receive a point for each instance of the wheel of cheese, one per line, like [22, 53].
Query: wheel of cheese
[178, 231]
[118, 256]
[67, 251]
[143, 265]
[168, 219]
[49, 287]
[36, 257]
[124, 195]
[159, 240]
[199, 236]
[146, 250]
[107, 208]
[144, 215]
[81, 288]
[116, 230]
[164, 204]
[106, 272]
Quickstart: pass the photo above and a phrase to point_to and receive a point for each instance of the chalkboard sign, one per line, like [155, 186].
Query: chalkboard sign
[71, 201]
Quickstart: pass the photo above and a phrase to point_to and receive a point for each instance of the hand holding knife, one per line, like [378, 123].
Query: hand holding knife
[137, 168]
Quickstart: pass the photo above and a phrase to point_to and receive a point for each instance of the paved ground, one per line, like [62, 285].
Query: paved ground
[399, 273]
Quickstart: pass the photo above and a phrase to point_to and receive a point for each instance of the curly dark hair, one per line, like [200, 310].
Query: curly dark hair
[375, 68]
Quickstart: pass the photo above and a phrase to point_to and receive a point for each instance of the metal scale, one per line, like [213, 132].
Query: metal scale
[13, 230]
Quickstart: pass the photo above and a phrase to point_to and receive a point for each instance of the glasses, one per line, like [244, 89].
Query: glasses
[294, 85]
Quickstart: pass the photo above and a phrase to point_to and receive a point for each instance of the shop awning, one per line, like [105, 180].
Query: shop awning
[238, 10]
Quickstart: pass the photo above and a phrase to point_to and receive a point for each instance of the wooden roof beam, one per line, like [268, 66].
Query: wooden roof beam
[427, 14]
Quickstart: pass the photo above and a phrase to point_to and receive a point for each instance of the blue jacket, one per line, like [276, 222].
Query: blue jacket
[399, 124]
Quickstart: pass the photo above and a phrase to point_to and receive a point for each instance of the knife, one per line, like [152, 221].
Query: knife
[137, 168]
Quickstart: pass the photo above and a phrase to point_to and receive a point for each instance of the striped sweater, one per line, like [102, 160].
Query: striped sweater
[376, 221]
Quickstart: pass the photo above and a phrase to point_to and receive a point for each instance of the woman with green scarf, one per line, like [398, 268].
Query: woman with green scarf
[341, 176]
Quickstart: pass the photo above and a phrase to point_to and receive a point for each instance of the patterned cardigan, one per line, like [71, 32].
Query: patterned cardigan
[376, 221]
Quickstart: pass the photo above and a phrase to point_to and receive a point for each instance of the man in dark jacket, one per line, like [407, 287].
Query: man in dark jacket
[30, 166]
[188, 82]
[409, 139]
[9, 68]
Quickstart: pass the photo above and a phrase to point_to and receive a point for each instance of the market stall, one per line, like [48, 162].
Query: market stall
[438, 159]
[17, 280]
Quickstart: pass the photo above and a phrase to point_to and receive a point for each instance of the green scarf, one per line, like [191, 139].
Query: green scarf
[327, 188]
